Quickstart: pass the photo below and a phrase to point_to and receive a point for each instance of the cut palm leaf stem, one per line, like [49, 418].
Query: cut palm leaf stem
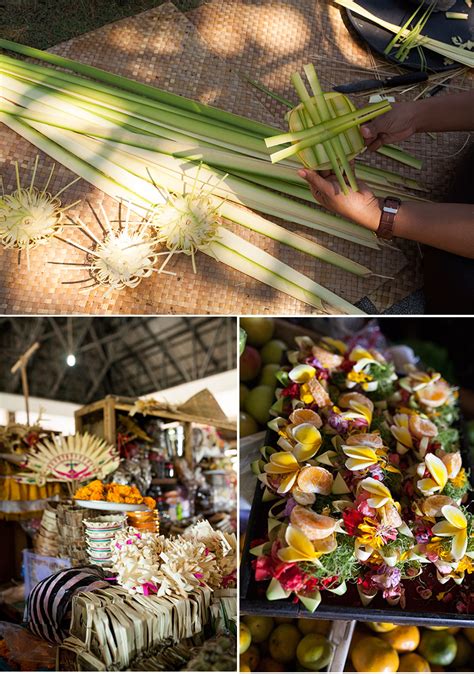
[331, 125]
[394, 152]
[449, 51]
[172, 120]
[313, 114]
[307, 290]
[231, 250]
[409, 41]
[402, 30]
[457, 15]
[135, 87]
[272, 94]
[34, 95]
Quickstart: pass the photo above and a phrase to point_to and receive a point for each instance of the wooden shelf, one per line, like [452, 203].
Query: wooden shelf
[164, 480]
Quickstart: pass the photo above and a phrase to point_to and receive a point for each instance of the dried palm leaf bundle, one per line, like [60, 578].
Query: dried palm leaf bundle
[30, 216]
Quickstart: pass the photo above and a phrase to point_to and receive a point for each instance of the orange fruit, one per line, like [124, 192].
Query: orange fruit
[434, 395]
[259, 626]
[245, 668]
[250, 658]
[381, 627]
[314, 526]
[412, 662]
[373, 654]
[403, 639]
[270, 665]
[245, 638]
[421, 427]
[469, 633]
[315, 480]
[439, 648]
[463, 654]
[310, 626]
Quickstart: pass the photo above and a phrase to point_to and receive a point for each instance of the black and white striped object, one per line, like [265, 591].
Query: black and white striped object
[49, 602]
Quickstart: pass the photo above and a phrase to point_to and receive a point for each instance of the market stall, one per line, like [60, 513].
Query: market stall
[127, 536]
[360, 505]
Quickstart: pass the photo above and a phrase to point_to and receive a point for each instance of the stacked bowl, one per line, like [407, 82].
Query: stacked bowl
[100, 532]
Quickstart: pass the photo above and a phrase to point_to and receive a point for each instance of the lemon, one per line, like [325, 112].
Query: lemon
[314, 652]
[250, 658]
[245, 638]
[283, 643]
[381, 627]
[259, 627]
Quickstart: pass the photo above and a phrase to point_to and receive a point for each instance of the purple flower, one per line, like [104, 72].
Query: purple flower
[387, 578]
[290, 504]
[338, 423]
[198, 575]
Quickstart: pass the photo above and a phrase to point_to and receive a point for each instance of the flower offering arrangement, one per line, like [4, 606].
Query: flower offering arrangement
[364, 484]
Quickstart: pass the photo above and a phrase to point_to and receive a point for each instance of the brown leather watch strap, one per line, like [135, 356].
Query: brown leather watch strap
[389, 211]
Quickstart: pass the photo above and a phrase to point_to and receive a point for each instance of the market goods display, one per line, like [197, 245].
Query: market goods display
[385, 647]
[269, 644]
[70, 520]
[364, 483]
[46, 540]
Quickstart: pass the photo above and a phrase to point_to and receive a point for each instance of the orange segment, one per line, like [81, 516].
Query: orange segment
[315, 480]
[315, 527]
[420, 427]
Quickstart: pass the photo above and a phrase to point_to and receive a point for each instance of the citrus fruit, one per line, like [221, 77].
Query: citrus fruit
[243, 393]
[283, 621]
[270, 665]
[381, 627]
[373, 654]
[258, 403]
[309, 626]
[463, 653]
[247, 424]
[250, 658]
[259, 627]
[283, 642]
[245, 638]
[314, 652]
[412, 662]
[273, 351]
[244, 668]
[469, 633]
[403, 639]
[259, 330]
[439, 648]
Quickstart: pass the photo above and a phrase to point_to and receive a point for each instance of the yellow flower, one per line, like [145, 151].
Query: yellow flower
[460, 479]
[401, 433]
[305, 394]
[284, 465]
[372, 534]
[361, 457]
[301, 374]
[308, 441]
[466, 565]
[380, 495]
[359, 377]
[300, 548]
[438, 472]
[437, 547]
[455, 526]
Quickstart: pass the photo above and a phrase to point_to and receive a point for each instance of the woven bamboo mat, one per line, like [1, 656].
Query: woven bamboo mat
[163, 47]
[267, 40]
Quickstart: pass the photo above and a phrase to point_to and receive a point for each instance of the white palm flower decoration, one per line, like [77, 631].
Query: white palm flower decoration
[29, 216]
[454, 525]
[438, 475]
[188, 222]
[72, 459]
[126, 254]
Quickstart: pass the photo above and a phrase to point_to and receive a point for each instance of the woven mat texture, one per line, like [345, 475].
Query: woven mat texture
[202, 60]
[267, 40]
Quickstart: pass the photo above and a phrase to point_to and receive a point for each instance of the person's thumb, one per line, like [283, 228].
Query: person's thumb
[314, 179]
[369, 132]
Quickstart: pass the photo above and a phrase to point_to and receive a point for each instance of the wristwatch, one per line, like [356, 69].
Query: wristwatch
[390, 209]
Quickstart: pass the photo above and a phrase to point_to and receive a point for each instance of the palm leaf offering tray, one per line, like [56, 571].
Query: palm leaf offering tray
[364, 495]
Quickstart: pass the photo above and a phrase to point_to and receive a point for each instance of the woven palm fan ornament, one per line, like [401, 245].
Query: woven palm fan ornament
[29, 216]
[122, 258]
[72, 459]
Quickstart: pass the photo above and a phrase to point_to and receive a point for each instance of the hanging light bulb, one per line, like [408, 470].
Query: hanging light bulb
[71, 359]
